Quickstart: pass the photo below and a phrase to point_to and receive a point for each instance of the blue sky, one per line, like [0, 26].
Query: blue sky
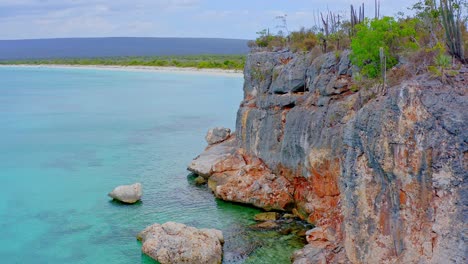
[26, 19]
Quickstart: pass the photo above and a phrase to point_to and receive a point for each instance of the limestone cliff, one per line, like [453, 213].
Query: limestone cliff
[383, 177]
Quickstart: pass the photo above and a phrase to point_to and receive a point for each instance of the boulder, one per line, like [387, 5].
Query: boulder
[268, 216]
[234, 176]
[127, 193]
[217, 134]
[203, 165]
[177, 243]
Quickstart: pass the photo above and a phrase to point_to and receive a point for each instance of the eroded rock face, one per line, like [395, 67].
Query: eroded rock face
[127, 193]
[217, 134]
[382, 177]
[177, 243]
[236, 177]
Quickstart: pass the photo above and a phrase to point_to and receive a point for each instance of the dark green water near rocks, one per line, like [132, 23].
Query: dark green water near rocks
[69, 136]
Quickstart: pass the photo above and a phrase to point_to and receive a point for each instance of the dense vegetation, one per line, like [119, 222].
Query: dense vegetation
[393, 36]
[434, 39]
[232, 62]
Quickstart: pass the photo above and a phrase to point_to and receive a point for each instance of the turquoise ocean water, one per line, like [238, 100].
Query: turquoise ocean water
[69, 136]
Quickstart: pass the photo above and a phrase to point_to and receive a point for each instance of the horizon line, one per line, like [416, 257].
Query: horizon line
[121, 37]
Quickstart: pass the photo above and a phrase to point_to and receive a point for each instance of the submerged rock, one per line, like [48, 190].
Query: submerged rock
[268, 216]
[200, 180]
[267, 225]
[217, 134]
[289, 216]
[177, 243]
[127, 193]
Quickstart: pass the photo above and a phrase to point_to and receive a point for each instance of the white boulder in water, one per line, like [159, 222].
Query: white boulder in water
[127, 193]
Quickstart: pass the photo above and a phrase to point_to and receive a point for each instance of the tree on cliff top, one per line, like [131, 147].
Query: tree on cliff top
[386, 33]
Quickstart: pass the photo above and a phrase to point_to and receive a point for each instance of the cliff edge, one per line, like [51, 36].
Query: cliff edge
[381, 176]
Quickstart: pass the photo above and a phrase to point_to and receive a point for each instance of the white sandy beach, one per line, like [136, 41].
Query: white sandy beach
[184, 70]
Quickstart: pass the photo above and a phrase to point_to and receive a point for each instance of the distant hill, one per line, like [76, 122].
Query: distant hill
[111, 47]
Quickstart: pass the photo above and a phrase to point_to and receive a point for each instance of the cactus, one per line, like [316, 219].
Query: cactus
[377, 9]
[356, 19]
[383, 69]
[451, 22]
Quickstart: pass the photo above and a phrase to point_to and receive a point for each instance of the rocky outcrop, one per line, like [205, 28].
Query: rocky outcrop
[227, 167]
[217, 134]
[127, 193]
[177, 243]
[382, 177]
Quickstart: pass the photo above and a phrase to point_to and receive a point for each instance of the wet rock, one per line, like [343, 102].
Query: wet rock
[177, 243]
[301, 233]
[289, 216]
[200, 180]
[267, 225]
[127, 193]
[268, 216]
[286, 231]
[217, 134]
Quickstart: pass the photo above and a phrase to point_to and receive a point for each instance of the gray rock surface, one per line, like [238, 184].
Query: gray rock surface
[203, 165]
[385, 174]
[127, 193]
[177, 243]
[217, 134]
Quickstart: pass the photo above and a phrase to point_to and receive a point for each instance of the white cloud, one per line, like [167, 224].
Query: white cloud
[182, 18]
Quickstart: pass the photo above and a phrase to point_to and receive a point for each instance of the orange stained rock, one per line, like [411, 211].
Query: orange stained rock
[233, 162]
[244, 124]
[325, 177]
[402, 198]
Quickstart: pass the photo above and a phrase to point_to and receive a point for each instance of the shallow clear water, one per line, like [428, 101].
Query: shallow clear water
[69, 136]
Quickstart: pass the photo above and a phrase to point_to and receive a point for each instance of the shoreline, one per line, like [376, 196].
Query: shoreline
[169, 69]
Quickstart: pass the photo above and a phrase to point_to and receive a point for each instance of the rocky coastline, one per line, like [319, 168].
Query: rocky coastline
[381, 176]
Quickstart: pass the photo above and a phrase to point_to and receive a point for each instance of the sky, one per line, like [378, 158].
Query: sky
[241, 19]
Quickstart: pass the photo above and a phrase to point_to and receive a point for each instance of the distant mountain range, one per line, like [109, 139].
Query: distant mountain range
[116, 47]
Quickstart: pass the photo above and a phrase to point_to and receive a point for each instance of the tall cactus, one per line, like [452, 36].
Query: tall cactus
[355, 19]
[452, 25]
[377, 9]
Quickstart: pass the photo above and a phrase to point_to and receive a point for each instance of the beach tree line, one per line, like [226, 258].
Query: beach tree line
[228, 62]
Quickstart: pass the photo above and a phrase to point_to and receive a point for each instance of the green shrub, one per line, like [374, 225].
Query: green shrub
[443, 61]
[391, 35]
